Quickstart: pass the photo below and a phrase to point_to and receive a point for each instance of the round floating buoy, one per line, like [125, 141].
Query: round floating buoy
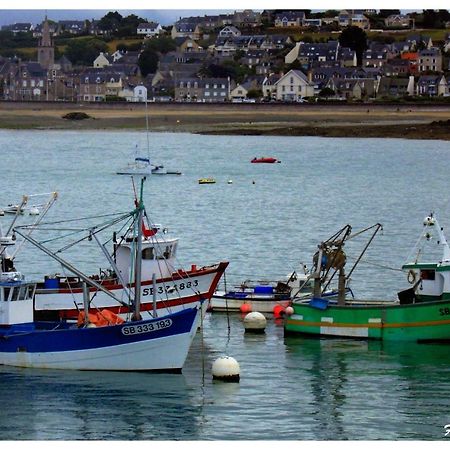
[289, 311]
[253, 182]
[278, 311]
[230, 181]
[226, 368]
[245, 308]
[34, 211]
[255, 322]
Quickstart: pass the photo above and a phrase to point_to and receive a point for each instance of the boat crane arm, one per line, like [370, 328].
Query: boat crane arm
[19, 209]
[48, 205]
[69, 266]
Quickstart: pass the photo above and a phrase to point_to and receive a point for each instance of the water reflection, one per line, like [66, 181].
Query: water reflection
[357, 388]
[95, 405]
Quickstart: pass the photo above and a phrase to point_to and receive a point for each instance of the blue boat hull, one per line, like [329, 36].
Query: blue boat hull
[157, 344]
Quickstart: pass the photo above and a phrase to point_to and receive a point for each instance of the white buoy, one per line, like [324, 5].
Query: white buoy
[226, 368]
[34, 211]
[230, 181]
[255, 322]
[289, 310]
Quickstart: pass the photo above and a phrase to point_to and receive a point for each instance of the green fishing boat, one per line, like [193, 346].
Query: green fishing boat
[421, 313]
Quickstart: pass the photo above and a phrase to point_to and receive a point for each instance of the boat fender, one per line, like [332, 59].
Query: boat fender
[278, 311]
[411, 277]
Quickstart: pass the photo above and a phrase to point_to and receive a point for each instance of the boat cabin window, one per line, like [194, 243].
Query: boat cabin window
[10, 293]
[147, 253]
[164, 252]
[427, 275]
[13, 293]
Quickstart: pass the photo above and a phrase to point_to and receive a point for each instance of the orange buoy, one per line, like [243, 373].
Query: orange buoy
[245, 308]
[278, 311]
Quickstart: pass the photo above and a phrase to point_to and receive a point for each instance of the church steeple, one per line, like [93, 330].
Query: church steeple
[46, 51]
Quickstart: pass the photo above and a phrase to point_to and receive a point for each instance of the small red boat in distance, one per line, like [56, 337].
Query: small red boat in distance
[265, 160]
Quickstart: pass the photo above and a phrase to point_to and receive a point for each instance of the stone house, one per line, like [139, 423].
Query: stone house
[374, 58]
[289, 19]
[430, 60]
[185, 29]
[92, 87]
[206, 90]
[353, 17]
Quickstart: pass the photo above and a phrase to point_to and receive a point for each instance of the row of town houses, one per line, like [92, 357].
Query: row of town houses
[197, 25]
[411, 67]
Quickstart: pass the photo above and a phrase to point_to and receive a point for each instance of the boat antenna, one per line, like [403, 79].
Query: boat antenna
[146, 128]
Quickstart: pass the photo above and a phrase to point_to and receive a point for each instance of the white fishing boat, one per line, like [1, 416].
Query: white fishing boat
[159, 343]
[165, 286]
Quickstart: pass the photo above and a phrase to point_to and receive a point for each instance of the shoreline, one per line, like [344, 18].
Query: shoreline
[389, 121]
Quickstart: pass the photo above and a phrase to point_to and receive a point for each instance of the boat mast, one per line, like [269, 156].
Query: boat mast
[138, 259]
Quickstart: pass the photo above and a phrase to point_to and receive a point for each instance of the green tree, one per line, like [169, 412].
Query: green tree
[148, 62]
[161, 44]
[110, 22]
[84, 51]
[354, 38]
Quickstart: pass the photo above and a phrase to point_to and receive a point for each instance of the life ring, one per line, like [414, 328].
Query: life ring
[411, 277]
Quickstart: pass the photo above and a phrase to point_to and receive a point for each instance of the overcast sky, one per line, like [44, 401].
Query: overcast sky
[165, 17]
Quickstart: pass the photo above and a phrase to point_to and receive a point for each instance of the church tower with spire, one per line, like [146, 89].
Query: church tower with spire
[46, 50]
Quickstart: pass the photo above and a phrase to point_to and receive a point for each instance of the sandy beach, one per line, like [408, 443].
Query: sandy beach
[405, 121]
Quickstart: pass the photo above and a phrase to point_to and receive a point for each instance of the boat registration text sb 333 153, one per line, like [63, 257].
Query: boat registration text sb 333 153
[146, 328]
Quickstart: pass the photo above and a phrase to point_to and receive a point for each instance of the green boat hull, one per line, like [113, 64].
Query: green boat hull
[419, 322]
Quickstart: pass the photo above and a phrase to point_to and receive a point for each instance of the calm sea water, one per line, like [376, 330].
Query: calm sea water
[267, 221]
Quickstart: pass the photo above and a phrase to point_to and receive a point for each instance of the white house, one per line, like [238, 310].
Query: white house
[102, 60]
[140, 94]
[133, 94]
[229, 31]
[149, 29]
[294, 86]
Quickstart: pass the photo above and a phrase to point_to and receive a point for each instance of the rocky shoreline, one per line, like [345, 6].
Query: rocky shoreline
[434, 130]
